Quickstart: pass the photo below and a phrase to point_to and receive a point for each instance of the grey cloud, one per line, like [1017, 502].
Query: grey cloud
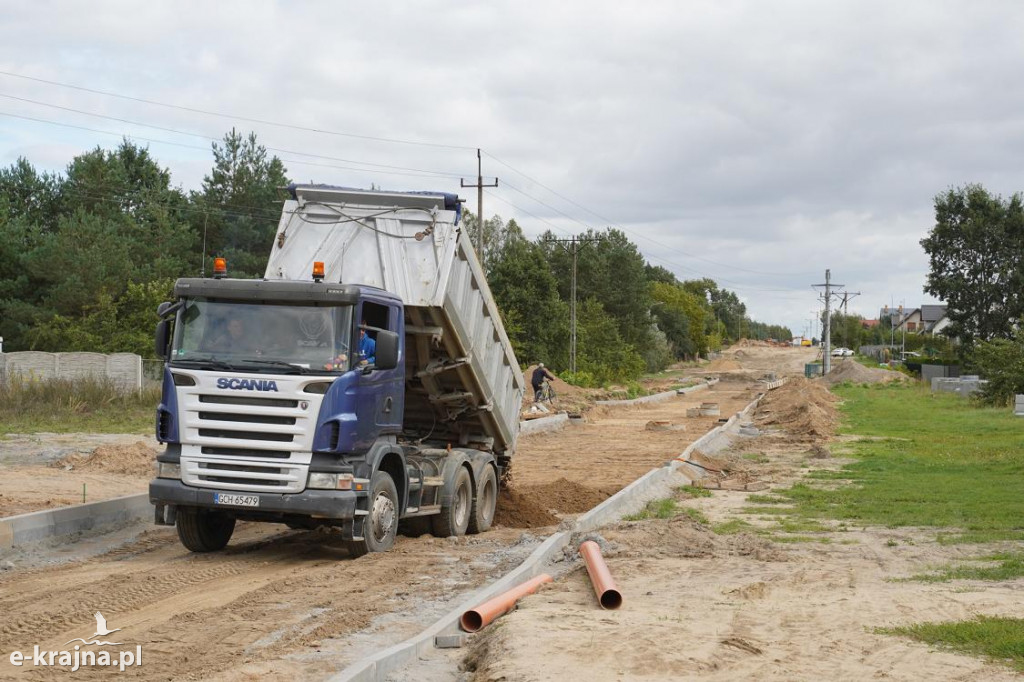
[783, 136]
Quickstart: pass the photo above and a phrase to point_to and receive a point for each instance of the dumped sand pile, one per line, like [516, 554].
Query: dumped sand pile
[801, 407]
[532, 506]
[857, 373]
[134, 460]
[751, 343]
[567, 397]
[723, 365]
[521, 510]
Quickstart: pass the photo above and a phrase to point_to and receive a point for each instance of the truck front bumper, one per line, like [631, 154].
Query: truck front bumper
[332, 505]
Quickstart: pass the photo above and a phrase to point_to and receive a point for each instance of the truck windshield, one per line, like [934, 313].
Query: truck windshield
[263, 337]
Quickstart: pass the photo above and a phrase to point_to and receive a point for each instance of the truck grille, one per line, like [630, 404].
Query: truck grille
[245, 452]
[247, 418]
[235, 441]
[277, 477]
[246, 435]
[247, 401]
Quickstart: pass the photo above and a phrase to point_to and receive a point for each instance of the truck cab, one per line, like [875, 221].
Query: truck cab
[287, 400]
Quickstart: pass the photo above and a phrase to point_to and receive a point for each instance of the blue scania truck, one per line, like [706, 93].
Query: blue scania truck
[365, 382]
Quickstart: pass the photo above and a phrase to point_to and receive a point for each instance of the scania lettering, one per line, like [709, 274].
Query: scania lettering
[365, 382]
[248, 384]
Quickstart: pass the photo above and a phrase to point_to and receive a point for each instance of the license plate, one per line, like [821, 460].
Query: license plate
[237, 500]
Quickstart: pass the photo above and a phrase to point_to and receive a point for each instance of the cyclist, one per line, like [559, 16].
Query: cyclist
[537, 381]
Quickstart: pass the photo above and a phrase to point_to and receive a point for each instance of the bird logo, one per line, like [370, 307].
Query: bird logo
[101, 631]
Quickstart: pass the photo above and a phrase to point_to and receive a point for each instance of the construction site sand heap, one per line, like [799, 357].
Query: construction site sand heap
[723, 365]
[568, 398]
[856, 373]
[800, 407]
[132, 460]
[535, 506]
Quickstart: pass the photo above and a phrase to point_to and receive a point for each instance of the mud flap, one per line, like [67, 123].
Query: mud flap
[165, 515]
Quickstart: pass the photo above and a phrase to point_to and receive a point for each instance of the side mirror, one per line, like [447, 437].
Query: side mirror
[163, 332]
[162, 309]
[386, 353]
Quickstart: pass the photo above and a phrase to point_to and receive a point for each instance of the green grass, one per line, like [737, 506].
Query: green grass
[998, 639]
[1001, 566]
[732, 527]
[656, 509]
[666, 509]
[799, 525]
[65, 406]
[696, 514]
[694, 491]
[767, 499]
[937, 461]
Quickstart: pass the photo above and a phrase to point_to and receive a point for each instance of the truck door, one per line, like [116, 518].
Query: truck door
[383, 391]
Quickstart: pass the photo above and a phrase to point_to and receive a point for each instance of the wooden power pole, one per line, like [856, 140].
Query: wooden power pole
[480, 204]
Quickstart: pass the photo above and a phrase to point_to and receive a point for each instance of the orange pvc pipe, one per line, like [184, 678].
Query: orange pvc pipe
[480, 617]
[604, 585]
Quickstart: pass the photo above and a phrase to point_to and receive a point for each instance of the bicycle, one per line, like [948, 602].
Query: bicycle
[547, 392]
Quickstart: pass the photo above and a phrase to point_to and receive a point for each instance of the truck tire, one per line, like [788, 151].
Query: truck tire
[454, 518]
[203, 531]
[482, 515]
[381, 525]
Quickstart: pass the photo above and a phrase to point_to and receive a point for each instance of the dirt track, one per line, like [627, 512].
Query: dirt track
[291, 605]
[614, 448]
[793, 605]
[269, 605]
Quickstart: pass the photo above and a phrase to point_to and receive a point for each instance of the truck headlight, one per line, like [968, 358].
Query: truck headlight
[323, 481]
[168, 470]
[330, 481]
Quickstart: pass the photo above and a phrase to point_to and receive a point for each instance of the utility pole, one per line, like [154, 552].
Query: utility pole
[826, 363]
[847, 295]
[479, 204]
[572, 247]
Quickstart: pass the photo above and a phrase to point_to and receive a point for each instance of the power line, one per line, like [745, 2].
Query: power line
[733, 283]
[142, 100]
[412, 173]
[396, 170]
[614, 224]
[650, 256]
[322, 131]
[216, 139]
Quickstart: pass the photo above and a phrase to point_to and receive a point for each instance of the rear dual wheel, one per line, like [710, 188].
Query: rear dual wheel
[454, 517]
[486, 502]
[468, 513]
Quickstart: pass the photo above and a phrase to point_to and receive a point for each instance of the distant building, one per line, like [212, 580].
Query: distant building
[928, 319]
[912, 322]
[868, 324]
[934, 318]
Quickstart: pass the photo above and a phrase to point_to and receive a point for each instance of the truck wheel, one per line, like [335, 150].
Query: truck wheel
[454, 518]
[202, 531]
[381, 525]
[482, 515]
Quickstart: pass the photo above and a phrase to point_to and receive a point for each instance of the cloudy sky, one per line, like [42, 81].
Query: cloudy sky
[757, 143]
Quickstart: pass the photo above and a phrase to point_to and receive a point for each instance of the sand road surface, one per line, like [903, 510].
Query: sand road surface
[289, 605]
[703, 602]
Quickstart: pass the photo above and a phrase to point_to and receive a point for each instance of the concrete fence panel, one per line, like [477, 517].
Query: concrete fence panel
[81, 365]
[123, 368]
[30, 365]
